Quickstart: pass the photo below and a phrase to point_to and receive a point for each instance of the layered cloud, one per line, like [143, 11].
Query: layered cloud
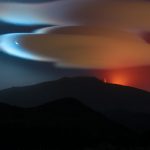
[87, 34]
[54, 13]
[120, 13]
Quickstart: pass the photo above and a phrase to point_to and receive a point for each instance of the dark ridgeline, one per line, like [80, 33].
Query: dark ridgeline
[91, 91]
[91, 117]
[63, 123]
[127, 105]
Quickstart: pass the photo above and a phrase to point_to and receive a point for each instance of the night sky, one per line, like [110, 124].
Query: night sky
[109, 39]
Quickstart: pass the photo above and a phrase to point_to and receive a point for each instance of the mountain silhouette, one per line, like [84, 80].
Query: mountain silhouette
[66, 121]
[91, 91]
[79, 111]
[122, 104]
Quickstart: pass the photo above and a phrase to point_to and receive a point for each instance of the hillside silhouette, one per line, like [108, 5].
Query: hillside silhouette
[89, 90]
[80, 112]
[59, 124]
[106, 98]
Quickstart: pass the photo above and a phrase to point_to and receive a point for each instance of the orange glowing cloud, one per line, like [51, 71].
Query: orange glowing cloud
[107, 48]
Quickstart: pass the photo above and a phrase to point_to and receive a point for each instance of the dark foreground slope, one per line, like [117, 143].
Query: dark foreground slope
[65, 123]
[91, 91]
[98, 115]
[126, 105]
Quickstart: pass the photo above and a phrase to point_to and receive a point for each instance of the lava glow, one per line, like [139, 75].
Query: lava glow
[119, 79]
[137, 77]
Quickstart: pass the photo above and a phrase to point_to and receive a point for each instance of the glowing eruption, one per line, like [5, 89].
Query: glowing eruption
[135, 76]
[119, 79]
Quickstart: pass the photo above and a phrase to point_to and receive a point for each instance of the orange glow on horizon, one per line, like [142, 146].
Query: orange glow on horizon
[120, 79]
[137, 77]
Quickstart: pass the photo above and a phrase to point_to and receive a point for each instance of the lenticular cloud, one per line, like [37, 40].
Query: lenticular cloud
[86, 34]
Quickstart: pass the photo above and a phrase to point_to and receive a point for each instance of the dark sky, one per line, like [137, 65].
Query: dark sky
[12, 28]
